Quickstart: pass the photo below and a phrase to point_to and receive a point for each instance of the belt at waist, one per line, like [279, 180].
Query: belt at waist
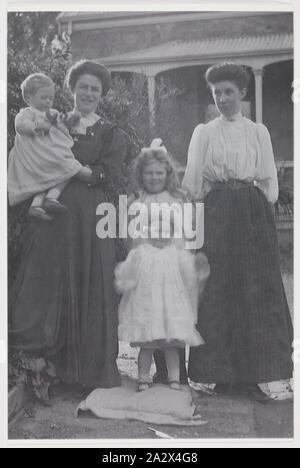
[232, 184]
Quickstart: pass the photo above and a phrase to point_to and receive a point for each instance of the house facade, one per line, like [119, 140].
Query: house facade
[181, 46]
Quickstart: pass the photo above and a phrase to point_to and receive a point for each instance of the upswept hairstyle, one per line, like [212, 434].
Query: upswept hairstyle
[33, 83]
[88, 67]
[228, 71]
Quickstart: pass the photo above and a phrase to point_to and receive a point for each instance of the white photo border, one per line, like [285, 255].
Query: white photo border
[139, 5]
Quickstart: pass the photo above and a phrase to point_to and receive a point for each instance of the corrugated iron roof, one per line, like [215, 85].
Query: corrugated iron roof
[217, 46]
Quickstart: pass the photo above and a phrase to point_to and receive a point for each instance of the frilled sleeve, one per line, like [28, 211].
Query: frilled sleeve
[25, 123]
[111, 156]
[193, 180]
[266, 172]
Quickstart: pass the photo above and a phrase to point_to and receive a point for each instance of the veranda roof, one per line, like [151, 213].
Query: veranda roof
[175, 50]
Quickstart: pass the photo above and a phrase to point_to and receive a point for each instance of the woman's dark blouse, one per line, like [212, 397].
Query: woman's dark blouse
[63, 304]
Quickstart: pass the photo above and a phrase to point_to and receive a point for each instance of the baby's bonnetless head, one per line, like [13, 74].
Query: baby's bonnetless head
[155, 171]
[38, 91]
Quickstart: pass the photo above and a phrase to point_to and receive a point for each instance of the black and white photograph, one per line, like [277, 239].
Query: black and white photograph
[150, 224]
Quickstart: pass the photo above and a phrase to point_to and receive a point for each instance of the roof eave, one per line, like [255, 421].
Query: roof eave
[170, 59]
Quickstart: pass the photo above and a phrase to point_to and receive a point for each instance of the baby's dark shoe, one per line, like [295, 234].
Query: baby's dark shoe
[54, 206]
[39, 213]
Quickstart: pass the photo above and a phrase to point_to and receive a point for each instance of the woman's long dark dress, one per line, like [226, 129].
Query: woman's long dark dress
[244, 316]
[62, 304]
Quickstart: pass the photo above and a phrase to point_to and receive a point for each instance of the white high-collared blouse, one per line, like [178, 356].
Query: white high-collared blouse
[230, 149]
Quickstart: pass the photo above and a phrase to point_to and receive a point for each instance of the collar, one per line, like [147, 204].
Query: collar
[37, 112]
[91, 117]
[232, 118]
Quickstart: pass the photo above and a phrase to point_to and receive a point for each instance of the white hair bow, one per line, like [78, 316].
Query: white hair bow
[156, 144]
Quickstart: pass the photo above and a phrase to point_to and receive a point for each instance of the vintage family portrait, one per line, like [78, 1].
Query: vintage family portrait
[150, 188]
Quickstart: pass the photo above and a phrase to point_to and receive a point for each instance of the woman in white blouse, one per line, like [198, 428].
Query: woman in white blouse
[243, 317]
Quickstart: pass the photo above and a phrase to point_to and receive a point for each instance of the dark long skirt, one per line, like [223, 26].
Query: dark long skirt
[244, 316]
[62, 304]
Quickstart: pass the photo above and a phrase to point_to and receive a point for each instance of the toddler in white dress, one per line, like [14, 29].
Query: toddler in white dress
[159, 280]
[41, 162]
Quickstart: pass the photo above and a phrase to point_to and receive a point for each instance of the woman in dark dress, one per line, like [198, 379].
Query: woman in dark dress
[62, 304]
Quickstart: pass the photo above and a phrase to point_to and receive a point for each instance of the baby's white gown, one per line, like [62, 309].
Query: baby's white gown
[160, 289]
[41, 162]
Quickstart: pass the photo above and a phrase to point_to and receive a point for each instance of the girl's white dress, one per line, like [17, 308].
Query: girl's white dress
[38, 162]
[160, 289]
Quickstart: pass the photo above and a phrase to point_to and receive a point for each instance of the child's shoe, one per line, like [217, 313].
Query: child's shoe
[143, 385]
[39, 213]
[54, 206]
[175, 385]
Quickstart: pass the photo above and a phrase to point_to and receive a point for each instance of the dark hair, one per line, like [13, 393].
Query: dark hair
[89, 67]
[33, 83]
[228, 72]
